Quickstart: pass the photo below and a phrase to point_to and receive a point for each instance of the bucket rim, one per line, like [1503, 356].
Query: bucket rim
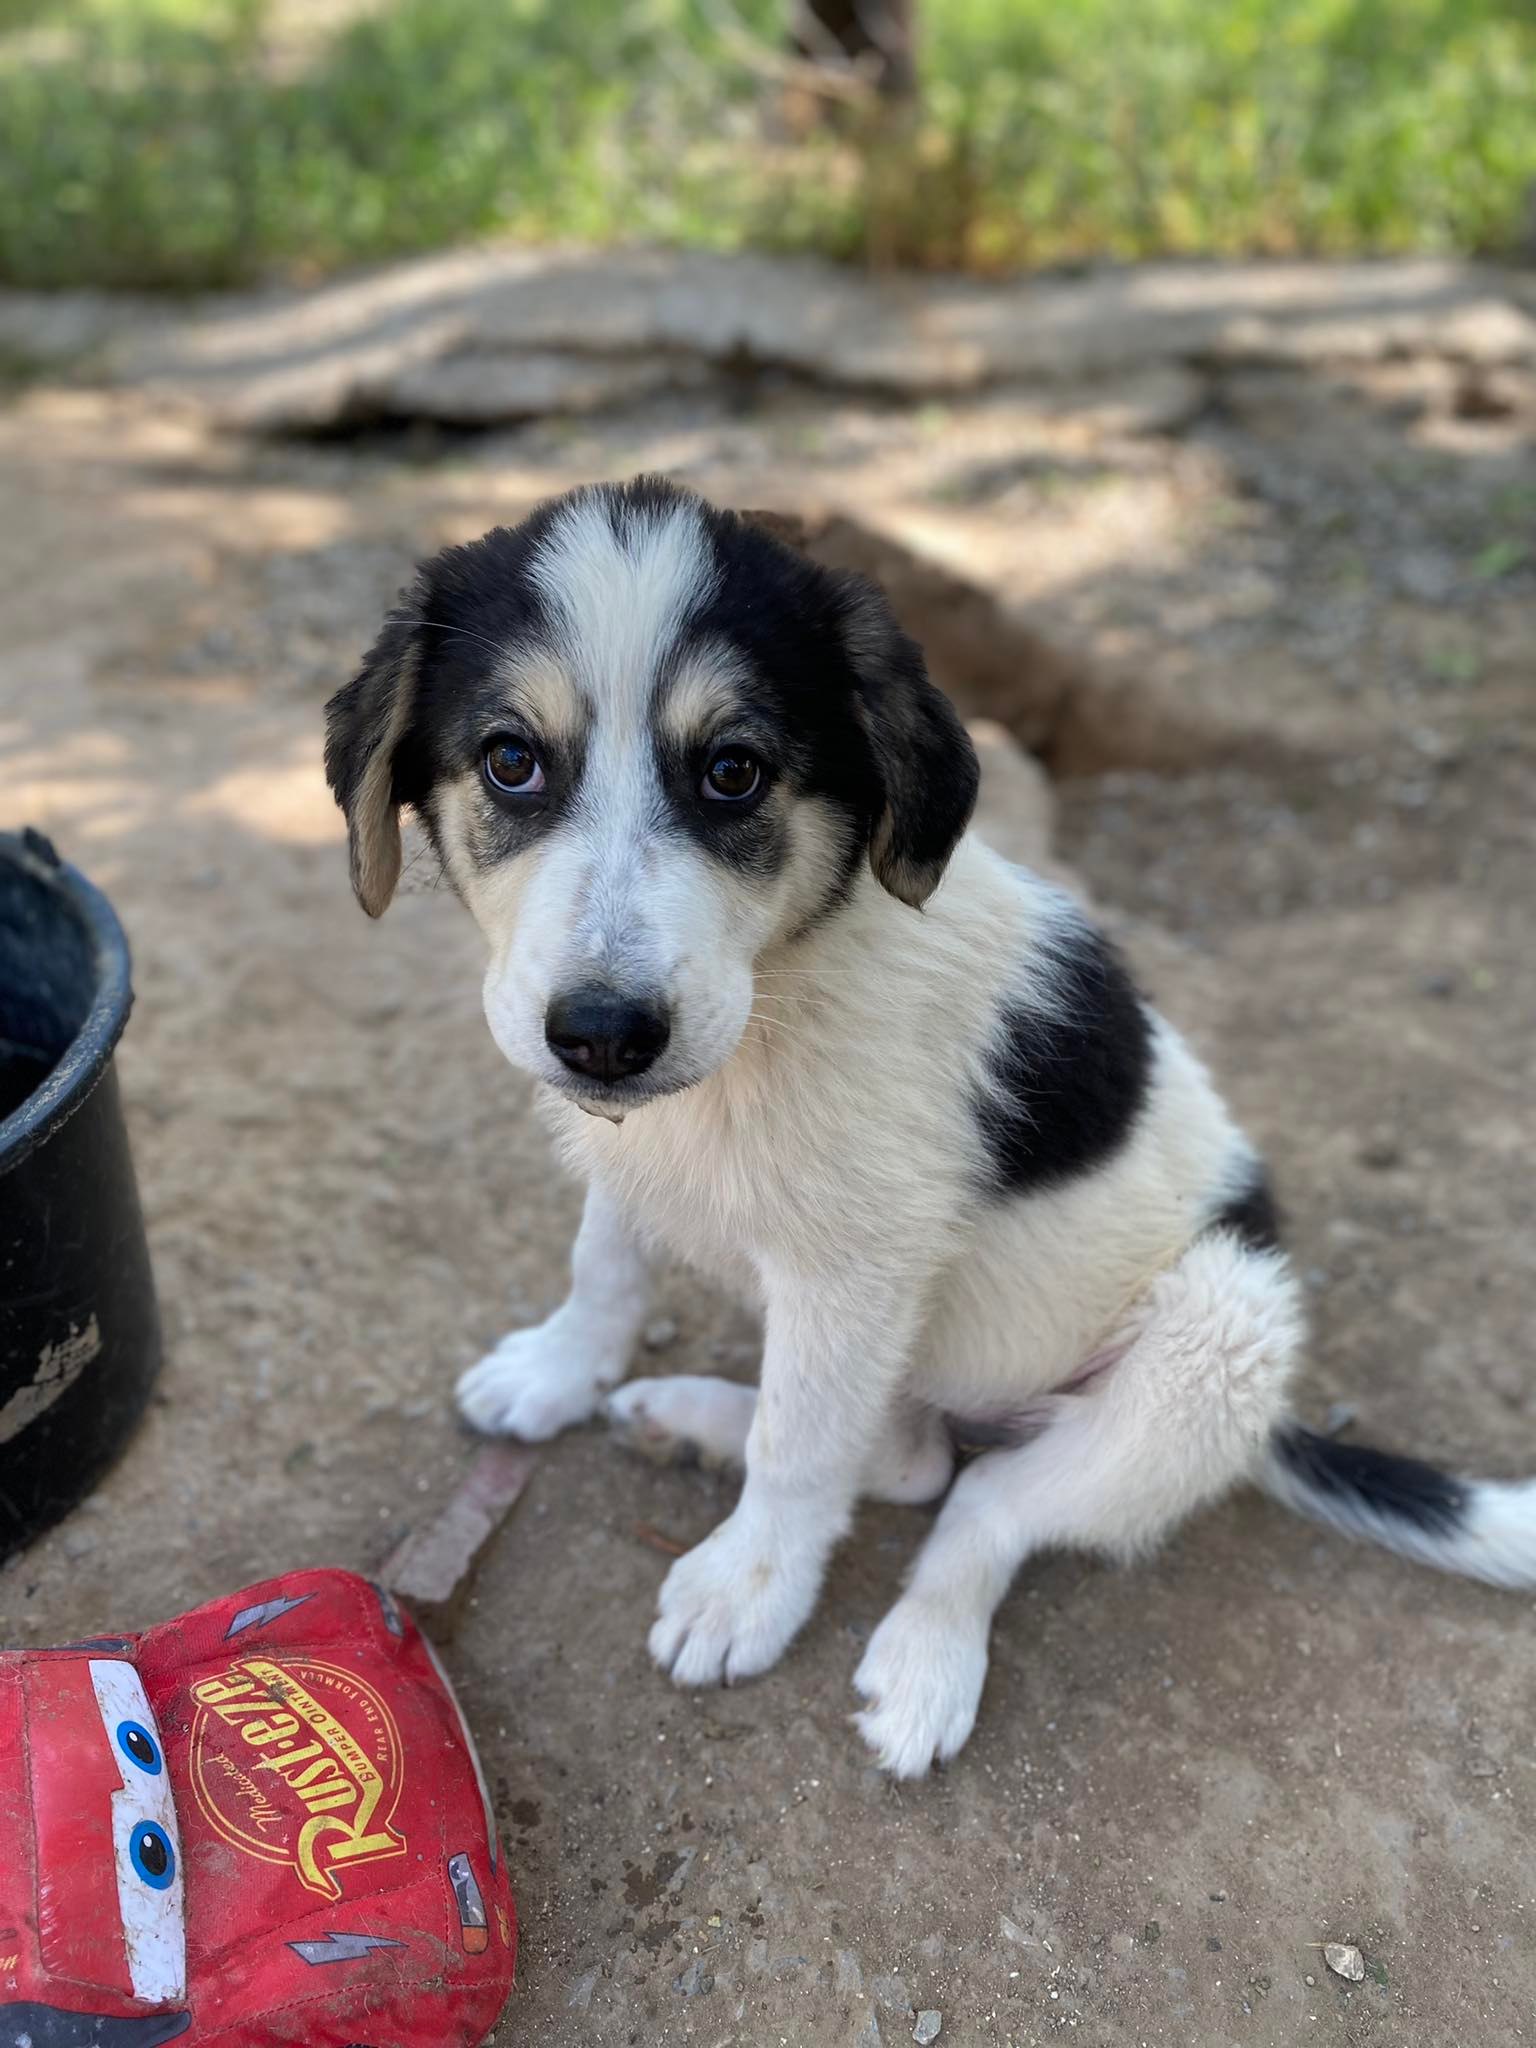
[88, 1053]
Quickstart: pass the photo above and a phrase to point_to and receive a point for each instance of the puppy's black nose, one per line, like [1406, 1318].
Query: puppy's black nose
[605, 1036]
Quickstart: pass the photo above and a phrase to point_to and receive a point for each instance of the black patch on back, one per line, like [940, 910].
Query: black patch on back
[1399, 1489]
[1069, 1082]
[1252, 1215]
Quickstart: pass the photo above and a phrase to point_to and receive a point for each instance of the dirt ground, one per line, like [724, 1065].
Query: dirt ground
[1186, 1777]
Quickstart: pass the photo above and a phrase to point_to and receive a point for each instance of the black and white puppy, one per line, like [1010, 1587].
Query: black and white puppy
[793, 1024]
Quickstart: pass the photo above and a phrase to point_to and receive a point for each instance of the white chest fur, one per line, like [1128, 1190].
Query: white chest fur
[843, 1133]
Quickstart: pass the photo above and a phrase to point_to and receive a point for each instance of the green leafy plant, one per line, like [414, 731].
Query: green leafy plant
[185, 143]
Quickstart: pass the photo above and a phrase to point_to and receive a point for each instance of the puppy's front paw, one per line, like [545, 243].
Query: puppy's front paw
[533, 1385]
[922, 1676]
[730, 1607]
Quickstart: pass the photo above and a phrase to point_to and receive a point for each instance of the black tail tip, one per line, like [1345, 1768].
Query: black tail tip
[1403, 1490]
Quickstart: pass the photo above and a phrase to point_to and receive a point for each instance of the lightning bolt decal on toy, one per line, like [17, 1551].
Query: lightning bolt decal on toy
[264, 1610]
[340, 1948]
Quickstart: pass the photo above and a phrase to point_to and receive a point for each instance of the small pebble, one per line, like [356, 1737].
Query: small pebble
[659, 1334]
[1381, 1152]
[928, 2025]
[1344, 1961]
[891, 1993]
[1338, 1418]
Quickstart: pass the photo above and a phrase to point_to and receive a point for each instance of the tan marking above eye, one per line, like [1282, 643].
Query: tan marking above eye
[702, 697]
[541, 692]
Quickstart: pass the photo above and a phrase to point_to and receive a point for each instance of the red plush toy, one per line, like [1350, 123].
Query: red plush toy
[261, 1824]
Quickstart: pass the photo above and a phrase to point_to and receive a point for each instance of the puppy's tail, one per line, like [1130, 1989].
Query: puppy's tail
[1480, 1528]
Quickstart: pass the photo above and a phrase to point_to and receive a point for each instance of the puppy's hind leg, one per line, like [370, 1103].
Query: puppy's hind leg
[685, 1419]
[695, 1419]
[540, 1381]
[1183, 1414]
[914, 1460]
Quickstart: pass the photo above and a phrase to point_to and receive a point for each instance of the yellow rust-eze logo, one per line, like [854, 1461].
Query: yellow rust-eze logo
[298, 1763]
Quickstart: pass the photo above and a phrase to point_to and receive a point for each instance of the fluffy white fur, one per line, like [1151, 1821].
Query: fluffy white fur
[812, 1140]
[823, 1162]
[834, 1188]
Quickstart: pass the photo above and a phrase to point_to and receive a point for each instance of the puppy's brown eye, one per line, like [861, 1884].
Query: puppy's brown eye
[512, 767]
[731, 775]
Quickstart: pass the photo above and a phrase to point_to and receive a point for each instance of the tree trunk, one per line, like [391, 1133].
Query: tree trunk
[877, 35]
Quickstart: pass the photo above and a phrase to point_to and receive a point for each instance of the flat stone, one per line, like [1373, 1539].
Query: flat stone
[581, 1992]
[484, 389]
[58, 329]
[1345, 1960]
[929, 2026]
[432, 1568]
[471, 328]
[891, 1992]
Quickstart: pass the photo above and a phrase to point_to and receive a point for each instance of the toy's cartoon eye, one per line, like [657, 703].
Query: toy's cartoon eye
[146, 1858]
[140, 1747]
[153, 1857]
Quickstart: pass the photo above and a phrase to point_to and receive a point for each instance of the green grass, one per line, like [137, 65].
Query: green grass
[182, 143]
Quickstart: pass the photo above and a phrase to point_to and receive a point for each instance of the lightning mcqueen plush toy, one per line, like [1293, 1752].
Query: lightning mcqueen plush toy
[261, 1824]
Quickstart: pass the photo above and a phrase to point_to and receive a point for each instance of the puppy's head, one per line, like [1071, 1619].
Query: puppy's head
[649, 742]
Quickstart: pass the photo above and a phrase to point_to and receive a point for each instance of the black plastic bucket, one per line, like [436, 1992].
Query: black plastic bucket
[79, 1332]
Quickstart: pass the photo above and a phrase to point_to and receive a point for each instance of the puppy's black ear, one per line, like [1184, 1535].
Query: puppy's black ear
[924, 759]
[368, 750]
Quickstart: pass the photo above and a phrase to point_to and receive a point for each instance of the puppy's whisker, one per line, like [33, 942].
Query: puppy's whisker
[461, 632]
[770, 1025]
